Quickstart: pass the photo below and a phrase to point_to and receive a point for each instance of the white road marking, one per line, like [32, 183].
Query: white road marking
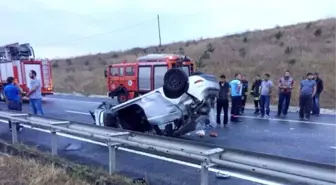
[237, 175]
[250, 117]
[289, 120]
[333, 147]
[69, 100]
[76, 112]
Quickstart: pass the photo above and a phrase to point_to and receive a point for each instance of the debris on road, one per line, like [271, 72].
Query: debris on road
[213, 134]
[220, 175]
[139, 181]
[200, 133]
[72, 147]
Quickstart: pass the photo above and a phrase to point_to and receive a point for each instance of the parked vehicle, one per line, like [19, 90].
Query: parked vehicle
[17, 60]
[129, 80]
[170, 110]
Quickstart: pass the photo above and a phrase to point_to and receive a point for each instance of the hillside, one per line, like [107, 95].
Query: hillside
[301, 48]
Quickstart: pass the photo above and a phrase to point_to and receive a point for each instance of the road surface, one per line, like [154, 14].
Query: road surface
[313, 141]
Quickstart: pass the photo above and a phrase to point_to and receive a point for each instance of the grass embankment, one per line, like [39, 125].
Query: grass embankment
[23, 165]
[15, 170]
[301, 48]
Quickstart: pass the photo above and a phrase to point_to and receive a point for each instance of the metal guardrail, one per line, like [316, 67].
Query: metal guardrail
[262, 166]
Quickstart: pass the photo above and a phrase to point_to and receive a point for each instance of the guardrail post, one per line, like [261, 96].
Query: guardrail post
[112, 157]
[53, 142]
[14, 131]
[204, 173]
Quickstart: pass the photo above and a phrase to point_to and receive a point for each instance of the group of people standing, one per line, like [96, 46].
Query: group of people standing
[13, 96]
[237, 90]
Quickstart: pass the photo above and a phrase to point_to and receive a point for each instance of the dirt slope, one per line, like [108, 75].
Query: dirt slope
[300, 48]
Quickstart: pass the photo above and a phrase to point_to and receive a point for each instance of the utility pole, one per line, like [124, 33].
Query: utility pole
[159, 29]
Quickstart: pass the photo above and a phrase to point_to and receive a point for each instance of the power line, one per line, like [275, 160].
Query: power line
[119, 29]
[102, 34]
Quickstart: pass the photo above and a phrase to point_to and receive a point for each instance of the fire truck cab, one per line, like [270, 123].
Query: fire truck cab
[128, 80]
[17, 60]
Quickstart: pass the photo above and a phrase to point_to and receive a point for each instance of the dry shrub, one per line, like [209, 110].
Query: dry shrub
[273, 51]
[17, 171]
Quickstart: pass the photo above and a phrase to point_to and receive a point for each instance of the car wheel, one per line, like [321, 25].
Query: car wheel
[175, 83]
[122, 97]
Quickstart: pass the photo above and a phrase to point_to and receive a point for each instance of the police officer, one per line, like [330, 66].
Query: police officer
[307, 92]
[235, 91]
[286, 84]
[255, 93]
[223, 100]
[244, 94]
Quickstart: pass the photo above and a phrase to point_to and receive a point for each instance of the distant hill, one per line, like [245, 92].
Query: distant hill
[301, 48]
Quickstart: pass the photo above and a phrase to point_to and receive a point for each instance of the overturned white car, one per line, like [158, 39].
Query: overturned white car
[171, 110]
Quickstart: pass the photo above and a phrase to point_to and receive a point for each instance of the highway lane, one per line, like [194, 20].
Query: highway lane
[288, 137]
[309, 141]
[158, 171]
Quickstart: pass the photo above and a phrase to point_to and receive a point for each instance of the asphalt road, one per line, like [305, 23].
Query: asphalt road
[289, 137]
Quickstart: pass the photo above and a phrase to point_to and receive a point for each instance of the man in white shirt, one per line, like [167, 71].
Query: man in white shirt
[34, 94]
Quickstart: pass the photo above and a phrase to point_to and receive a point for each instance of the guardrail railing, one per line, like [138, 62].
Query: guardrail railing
[262, 166]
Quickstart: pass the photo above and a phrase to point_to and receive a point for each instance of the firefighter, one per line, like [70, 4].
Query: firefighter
[307, 92]
[244, 94]
[285, 86]
[223, 100]
[235, 91]
[256, 94]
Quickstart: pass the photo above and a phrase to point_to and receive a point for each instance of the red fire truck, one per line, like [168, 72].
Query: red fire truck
[17, 60]
[128, 80]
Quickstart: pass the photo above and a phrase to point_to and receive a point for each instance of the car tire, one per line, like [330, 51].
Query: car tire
[175, 83]
[122, 97]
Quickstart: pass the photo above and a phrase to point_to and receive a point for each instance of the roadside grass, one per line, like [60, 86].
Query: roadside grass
[24, 165]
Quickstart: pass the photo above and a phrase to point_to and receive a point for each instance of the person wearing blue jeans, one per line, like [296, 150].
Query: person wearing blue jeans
[285, 87]
[316, 98]
[34, 94]
[265, 96]
[36, 105]
[13, 99]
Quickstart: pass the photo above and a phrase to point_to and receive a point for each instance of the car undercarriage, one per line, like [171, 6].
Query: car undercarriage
[172, 110]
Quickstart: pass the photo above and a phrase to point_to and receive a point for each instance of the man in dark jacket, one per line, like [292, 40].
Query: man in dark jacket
[244, 94]
[286, 84]
[316, 98]
[256, 93]
[223, 100]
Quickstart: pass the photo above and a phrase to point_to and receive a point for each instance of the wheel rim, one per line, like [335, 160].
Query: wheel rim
[122, 97]
[174, 81]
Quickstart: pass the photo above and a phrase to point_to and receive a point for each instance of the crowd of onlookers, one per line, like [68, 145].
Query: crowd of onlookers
[13, 96]
[237, 91]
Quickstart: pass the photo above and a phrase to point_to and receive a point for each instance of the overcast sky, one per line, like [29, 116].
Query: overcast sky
[61, 28]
